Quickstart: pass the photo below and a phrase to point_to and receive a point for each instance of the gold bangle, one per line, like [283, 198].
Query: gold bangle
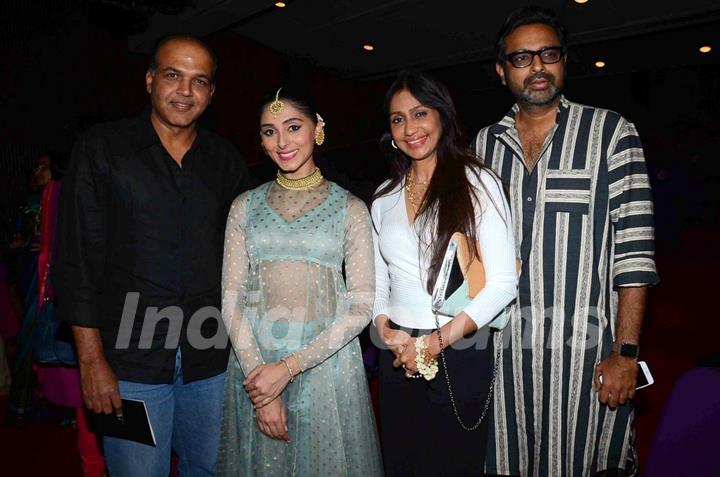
[284, 360]
[297, 360]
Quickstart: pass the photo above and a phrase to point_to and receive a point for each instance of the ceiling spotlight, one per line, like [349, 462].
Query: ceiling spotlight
[705, 49]
[581, 1]
[280, 4]
[600, 64]
[368, 47]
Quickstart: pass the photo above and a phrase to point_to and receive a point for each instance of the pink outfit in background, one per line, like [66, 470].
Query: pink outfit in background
[61, 385]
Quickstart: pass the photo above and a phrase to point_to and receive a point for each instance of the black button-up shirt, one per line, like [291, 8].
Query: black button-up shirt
[140, 246]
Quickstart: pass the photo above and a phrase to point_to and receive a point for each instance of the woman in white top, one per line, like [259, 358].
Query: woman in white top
[436, 188]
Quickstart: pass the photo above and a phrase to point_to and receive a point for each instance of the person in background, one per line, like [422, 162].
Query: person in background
[26, 244]
[583, 212]
[59, 383]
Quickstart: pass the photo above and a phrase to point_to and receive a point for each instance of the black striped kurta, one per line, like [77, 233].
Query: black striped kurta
[583, 221]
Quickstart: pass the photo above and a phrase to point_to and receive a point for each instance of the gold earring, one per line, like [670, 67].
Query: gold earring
[320, 131]
[320, 136]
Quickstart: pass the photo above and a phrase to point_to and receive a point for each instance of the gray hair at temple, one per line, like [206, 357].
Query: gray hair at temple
[152, 64]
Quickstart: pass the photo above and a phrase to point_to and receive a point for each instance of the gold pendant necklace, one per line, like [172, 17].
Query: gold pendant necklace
[304, 183]
[409, 188]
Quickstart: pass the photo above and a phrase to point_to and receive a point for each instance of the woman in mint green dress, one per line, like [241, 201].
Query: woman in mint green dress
[297, 401]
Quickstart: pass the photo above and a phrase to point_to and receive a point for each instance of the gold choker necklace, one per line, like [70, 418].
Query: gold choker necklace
[305, 183]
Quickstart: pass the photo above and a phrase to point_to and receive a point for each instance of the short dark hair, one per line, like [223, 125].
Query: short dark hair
[529, 15]
[152, 64]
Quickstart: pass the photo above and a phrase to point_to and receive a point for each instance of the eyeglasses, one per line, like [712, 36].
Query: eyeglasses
[523, 59]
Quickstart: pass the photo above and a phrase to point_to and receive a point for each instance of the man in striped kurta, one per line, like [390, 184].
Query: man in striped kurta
[583, 217]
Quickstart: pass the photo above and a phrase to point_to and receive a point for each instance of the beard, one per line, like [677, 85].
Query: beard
[538, 98]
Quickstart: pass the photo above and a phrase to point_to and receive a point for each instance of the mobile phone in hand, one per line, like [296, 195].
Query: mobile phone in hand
[644, 378]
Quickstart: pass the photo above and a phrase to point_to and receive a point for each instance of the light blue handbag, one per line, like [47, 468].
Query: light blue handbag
[451, 291]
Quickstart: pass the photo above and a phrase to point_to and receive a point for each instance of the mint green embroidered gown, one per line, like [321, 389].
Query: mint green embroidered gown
[284, 293]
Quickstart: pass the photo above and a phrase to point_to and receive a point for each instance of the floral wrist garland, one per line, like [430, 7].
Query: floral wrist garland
[427, 367]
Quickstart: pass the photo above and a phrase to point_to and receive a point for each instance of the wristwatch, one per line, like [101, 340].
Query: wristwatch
[628, 350]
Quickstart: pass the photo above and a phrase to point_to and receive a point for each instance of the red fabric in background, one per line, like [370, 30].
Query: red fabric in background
[92, 461]
[48, 219]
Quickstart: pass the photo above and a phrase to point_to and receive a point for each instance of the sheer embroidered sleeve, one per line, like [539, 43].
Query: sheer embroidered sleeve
[234, 286]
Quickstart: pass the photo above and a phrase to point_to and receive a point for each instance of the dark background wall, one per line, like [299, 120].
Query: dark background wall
[65, 67]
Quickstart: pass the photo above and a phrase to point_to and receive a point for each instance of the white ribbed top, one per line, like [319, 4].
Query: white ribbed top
[400, 277]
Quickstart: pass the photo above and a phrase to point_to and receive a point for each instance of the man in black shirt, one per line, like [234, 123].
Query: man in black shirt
[140, 245]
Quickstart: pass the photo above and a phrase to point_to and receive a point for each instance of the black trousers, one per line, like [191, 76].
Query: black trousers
[419, 432]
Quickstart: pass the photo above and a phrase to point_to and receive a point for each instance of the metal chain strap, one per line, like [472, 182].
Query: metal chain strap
[450, 391]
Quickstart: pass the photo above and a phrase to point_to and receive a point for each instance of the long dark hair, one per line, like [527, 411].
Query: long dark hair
[449, 203]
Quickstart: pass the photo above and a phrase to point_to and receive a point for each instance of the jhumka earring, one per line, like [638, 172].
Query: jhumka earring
[320, 131]
[276, 106]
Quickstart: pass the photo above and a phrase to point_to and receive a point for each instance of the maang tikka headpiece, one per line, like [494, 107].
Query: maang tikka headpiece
[276, 106]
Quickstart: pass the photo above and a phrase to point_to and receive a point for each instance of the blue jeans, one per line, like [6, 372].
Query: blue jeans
[184, 417]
